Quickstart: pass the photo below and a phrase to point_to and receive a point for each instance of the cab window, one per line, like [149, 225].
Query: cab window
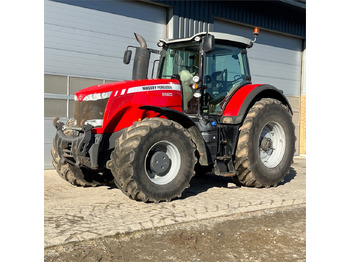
[224, 70]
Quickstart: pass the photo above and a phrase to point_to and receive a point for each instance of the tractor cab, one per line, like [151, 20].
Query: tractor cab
[210, 68]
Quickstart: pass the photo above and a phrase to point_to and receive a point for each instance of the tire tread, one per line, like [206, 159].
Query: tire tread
[242, 164]
[121, 165]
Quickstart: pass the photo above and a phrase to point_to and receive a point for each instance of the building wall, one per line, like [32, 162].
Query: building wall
[88, 38]
[287, 17]
[84, 46]
[85, 42]
[303, 106]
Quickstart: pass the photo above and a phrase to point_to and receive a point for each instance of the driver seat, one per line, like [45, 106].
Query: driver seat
[187, 93]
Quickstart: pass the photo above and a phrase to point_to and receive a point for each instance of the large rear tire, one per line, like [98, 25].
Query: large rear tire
[266, 144]
[153, 160]
[80, 176]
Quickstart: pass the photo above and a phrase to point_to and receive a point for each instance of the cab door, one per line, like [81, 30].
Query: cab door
[225, 69]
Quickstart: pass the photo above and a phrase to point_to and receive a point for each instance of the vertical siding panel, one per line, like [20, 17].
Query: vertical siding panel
[186, 20]
[274, 15]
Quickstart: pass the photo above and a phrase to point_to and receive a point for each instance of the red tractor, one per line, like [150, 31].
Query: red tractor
[148, 136]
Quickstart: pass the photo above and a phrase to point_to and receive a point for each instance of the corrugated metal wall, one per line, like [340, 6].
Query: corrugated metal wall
[190, 17]
[273, 15]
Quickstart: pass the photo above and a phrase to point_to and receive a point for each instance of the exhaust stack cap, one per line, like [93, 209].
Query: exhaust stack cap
[141, 41]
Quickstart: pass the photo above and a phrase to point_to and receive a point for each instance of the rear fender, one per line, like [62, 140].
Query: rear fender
[244, 98]
[187, 123]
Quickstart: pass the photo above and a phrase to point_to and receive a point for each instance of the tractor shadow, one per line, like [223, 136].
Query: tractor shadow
[201, 183]
[289, 177]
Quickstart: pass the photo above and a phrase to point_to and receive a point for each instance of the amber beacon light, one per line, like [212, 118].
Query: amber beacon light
[256, 31]
[255, 34]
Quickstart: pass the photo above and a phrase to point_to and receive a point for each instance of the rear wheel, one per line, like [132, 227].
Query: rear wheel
[153, 160]
[80, 176]
[266, 144]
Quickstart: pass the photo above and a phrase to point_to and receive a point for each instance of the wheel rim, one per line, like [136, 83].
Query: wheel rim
[272, 144]
[162, 162]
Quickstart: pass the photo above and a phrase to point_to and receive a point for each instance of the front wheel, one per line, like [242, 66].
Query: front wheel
[80, 176]
[153, 160]
[266, 144]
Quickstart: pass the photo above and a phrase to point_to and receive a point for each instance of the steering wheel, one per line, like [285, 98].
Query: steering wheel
[236, 79]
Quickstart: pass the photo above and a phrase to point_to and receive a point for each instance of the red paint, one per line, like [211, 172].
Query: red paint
[123, 105]
[234, 105]
[115, 86]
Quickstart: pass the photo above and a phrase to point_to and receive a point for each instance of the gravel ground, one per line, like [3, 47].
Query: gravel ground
[74, 214]
[276, 234]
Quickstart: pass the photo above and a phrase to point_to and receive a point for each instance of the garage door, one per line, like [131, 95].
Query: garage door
[84, 45]
[274, 59]
[89, 39]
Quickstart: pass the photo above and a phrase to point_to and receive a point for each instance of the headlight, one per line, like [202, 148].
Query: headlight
[94, 122]
[197, 38]
[196, 79]
[94, 97]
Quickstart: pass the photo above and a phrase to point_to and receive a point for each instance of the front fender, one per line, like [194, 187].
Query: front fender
[243, 99]
[187, 123]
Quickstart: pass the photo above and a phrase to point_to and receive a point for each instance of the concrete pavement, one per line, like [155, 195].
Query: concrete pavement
[76, 213]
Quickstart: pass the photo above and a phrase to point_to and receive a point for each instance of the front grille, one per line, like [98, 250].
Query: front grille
[67, 150]
[86, 110]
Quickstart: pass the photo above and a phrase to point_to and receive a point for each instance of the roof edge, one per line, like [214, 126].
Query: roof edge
[218, 35]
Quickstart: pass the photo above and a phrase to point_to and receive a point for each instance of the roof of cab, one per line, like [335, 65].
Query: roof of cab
[219, 36]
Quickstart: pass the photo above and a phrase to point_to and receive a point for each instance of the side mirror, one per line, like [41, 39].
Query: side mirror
[127, 57]
[208, 43]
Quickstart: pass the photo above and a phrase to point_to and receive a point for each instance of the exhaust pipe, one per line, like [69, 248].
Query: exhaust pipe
[141, 60]
[141, 40]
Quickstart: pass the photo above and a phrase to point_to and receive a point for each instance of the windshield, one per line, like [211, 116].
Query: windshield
[181, 61]
[225, 69]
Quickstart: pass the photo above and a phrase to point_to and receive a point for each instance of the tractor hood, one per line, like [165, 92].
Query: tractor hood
[113, 106]
[128, 87]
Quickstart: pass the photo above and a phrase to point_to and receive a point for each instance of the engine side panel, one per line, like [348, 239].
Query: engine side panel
[123, 106]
